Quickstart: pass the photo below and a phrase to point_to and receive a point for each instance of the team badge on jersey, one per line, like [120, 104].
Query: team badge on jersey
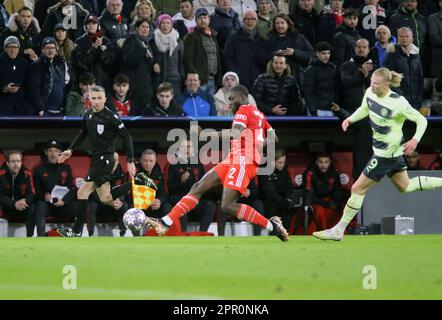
[384, 112]
[100, 128]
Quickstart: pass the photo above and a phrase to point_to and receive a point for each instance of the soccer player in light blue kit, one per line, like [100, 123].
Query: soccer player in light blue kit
[387, 111]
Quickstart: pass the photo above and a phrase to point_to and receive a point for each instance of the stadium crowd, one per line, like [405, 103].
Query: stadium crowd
[296, 57]
[180, 58]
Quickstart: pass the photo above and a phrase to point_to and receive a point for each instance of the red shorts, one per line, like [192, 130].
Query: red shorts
[236, 176]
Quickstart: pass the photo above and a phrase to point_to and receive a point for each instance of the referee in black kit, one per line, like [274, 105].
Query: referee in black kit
[102, 126]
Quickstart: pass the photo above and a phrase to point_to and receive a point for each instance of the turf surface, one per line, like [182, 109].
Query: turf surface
[408, 267]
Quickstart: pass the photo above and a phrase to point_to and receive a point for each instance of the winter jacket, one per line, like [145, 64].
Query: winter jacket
[158, 177]
[111, 28]
[199, 104]
[48, 175]
[29, 39]
[41, 9]
[378, 53]
[13, 190]
[174, 110]
[354, 83]
[326, 27]
[306, 23]
[412, 85]
[98, 61]
[435, 41]
[195, 58]
[40, 82]
[414, 20]
[13, 71]
[368, 23]
[224, 23]
[172, 66]
[277, 187]
[270, 90]
[137, 64]
[344, 44]
[55, 16]
[320, 85]
[324, 188]
[175, 171]
[94, 7]
[242, 55]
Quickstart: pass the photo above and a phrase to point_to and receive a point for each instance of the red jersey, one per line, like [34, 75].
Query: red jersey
[252, 138]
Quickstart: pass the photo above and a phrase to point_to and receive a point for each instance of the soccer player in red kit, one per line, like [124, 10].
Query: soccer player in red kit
[234, 173]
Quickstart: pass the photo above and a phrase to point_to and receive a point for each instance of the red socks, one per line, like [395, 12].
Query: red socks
[247, 213]
[184, 206]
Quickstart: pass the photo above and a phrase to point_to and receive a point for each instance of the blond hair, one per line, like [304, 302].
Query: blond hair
[391, 76]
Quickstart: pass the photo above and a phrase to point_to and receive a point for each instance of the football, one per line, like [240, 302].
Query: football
[134, 219]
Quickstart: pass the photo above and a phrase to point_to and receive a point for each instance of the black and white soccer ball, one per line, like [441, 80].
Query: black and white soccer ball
[134, 219]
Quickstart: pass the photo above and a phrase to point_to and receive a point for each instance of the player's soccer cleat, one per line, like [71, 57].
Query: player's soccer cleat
[68, 233]
[143, 180]
[158, 225]
[278, 229]
[329, 234]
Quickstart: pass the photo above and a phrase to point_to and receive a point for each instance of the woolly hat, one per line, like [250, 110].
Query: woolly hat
[11, 40]
[232, 74]
[163, 17]
[250, 14]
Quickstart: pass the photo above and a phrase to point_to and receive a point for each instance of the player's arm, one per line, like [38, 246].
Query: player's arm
[79, 139]
[358, 115]
[128, 144]
[421, 125]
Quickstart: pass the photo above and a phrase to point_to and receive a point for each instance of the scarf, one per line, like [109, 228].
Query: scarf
[167, 41]
[251, 34]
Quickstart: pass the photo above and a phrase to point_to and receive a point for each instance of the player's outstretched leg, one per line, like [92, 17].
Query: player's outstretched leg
[230, 205]
[187, 203]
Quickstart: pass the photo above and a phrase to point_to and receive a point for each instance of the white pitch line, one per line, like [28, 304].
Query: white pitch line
[140, 294]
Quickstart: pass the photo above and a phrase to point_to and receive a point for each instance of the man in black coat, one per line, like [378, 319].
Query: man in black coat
[306, 18]
[13, 72]
[46, 176]
[112, 21]
[17, 190]
[165, 105]
[344, 41]
[276, 92]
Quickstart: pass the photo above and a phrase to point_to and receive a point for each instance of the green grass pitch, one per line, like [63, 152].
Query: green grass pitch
[407, 267]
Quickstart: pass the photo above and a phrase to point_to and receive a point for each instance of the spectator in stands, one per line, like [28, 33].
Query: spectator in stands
[4, 17]
[322, 185]
[408, 16]
[305, 19]
[27, 30]
[148, 164]
[242, 6]
[17, 193]
[169, 7]
[223, 107]
[144, 9]
[13, 73]
[413, 161]
[165, 105]
[168, 50]
[403, 59]
[113, 24]
[94, 53]
[181, 177]
[266, 13]
[243, 51]
[184, 21]
[202, 54]
[320, 82]
[65, 47]
[77, 102]
[436, 104]
[46, 81]
[435, 41]
[41, 9]
[121, 102]
[344, 40]
[277, 91]
[209, 5]
[139, 64]
[379, 50]
[277, 189]
[60, 12]
[14, 6]
[194, 101]
[284, 40]
[47, 176]
[285, 6]
[356, 77]
[371, 16]
[224, 21]
[329, 19]
[437, 163]
[118, 206]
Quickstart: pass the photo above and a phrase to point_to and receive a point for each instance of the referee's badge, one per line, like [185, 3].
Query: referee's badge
[100, 128]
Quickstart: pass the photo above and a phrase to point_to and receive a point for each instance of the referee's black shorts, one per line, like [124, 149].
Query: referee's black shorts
[378, 167]
[101, 169]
